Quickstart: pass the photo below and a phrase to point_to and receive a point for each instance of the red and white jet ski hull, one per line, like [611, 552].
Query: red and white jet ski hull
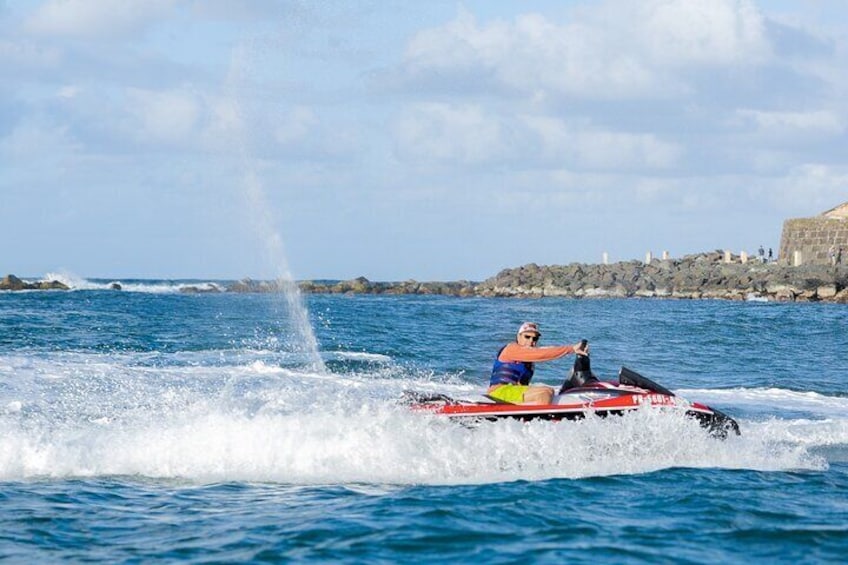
[598, 398]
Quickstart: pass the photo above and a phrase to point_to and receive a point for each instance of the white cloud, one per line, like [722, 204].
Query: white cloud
[443, 132]
[68, 91]
[531, 54]
[601, 55]
[819, 122]
[97, 18]
[246, 10]
[469, 134]
[224, 123]
[589, 147]
[295, 125]
[31, 142]
[169, 117]
[23, 54]
[692, 32]
[810, 188]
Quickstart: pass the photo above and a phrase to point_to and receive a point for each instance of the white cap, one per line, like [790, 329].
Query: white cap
[527, 327]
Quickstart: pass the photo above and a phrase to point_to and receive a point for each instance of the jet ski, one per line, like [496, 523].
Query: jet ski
[581, 394]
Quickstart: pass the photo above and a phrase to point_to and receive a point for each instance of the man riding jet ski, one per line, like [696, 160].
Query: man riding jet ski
[581, 393]
[515, 364]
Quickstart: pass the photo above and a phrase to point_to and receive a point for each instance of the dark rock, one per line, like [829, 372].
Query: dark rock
[11, 282]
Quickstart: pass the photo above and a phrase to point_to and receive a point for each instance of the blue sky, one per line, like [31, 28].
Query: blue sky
[395, 140]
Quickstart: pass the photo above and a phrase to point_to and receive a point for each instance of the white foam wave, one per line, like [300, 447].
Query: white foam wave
[75, 282]
[380, 444]
[358, 356]
[68, 279]
[803, 432]
[769, 400]
[170, 287]
[88, 416]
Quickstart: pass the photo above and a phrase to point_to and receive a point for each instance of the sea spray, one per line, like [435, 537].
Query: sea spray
[101, 415]
[261, 220]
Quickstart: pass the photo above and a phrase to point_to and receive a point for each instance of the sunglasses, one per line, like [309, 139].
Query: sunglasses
[533, 338]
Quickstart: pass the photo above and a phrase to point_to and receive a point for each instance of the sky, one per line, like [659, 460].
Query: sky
[436, 140]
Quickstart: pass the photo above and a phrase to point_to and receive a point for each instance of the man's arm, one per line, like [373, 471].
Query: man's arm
[514, 352]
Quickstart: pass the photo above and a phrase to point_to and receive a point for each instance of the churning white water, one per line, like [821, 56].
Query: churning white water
[206, 420]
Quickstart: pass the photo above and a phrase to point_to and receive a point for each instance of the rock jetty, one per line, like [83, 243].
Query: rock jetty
[361, 285]
[704, 275]
[712, 275]
[699, 276]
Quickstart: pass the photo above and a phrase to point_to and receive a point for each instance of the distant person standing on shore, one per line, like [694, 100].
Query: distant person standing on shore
[770, 255]
[761, 252]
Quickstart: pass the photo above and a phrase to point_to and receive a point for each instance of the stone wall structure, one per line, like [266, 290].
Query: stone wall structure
[808, 240]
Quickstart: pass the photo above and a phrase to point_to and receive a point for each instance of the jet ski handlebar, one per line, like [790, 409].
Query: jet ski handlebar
[581, 374]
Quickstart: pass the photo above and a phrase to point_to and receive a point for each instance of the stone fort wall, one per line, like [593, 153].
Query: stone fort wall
[813, 237]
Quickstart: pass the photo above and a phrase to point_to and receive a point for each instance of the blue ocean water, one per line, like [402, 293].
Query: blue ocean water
[150, 425]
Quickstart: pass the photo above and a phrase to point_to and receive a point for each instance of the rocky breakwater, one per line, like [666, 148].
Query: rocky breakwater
[704, 275]
[11, 282]
[361, 285]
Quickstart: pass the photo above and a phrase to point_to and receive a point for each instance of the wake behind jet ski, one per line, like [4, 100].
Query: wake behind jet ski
[582, 393]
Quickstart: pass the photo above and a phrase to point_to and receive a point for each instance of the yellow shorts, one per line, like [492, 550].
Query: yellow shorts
[513, 394]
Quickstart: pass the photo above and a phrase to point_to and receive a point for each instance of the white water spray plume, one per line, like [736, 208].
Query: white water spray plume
[259, 209]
